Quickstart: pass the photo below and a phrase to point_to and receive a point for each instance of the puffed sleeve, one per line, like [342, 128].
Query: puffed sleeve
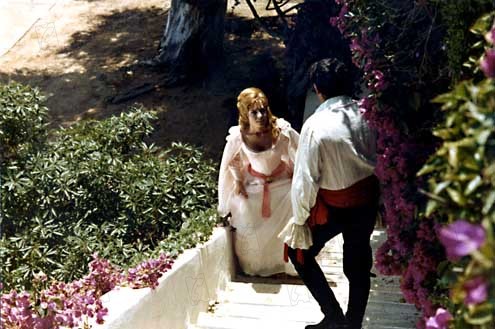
[293, 138]
[303, 192]
[227, 173]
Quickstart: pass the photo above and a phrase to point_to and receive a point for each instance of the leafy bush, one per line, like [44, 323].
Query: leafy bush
[409, 52]
[93, 187]
[22, 121]
[461, 177]
[457, 18]
[196, 229]
[69, 305]
[54, 305]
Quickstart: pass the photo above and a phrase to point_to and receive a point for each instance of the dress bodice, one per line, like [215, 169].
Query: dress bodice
[266, 161]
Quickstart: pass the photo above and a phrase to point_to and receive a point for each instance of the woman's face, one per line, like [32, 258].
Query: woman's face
[258, 118]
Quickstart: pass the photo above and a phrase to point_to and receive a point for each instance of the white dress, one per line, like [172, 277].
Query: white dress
[257, 247]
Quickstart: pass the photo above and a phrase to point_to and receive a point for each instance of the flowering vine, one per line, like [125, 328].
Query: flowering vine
[410, 248]
[400, 48]
[67, 305]
[462, 189]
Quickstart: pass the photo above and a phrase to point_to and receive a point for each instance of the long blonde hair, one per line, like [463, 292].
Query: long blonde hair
[254, 98]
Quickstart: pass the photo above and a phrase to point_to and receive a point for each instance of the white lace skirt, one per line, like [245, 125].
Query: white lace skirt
[257, 247]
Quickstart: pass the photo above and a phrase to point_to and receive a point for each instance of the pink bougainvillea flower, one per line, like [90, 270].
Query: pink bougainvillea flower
[487, 63]
[476, 291]
[440, 320]
[461, 238]
[490, 36]
[380, 83]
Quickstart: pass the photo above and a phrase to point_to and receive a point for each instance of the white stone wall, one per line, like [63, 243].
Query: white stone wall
[184, 291]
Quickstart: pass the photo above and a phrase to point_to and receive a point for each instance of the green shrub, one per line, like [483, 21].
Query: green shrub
[457, 18]
[22, 121]
[461, 186]
[196, 229]
[95, 187]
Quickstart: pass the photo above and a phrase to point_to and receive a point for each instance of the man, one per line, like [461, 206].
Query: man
[334, 191]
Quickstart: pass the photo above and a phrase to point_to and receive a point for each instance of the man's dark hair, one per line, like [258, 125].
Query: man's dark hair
[332, 78]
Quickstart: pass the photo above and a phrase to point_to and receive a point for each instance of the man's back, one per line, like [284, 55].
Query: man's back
[346, 144]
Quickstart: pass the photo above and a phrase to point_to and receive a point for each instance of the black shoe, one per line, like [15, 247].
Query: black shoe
[328, 323]
[353, 324]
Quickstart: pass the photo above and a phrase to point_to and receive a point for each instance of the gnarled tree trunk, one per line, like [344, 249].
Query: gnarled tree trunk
[192, 41]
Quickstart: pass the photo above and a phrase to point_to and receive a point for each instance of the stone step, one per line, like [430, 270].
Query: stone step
[334, 278]
[213, 321]
[265, 303]
[281, 295]
[302, 308]
[386, 296]
[294, 304]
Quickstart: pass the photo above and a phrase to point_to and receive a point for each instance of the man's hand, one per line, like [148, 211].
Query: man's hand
[239, 189]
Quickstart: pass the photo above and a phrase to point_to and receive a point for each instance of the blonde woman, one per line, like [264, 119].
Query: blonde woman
[254, 184]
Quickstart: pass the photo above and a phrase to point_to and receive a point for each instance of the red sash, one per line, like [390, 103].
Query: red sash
[267, 179]
[364, 192]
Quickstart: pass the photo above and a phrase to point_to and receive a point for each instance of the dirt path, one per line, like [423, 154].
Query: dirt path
[79, 55]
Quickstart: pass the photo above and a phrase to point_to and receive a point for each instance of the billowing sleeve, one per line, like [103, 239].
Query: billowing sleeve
[293, 140]
[227, 173]
[293, 144]
[303, 192]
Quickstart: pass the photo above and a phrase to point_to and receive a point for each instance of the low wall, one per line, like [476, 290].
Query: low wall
[183, 292]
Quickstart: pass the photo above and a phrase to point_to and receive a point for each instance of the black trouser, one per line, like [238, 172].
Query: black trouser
[356, 226]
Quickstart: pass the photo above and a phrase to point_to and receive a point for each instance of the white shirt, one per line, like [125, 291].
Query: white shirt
[336, 149]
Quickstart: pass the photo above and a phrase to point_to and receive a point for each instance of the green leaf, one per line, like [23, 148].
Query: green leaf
[441, 186]
[428, 168]
[444, 134]
[469, 162]
[482, 24]
[490, 199]
[451, 119]
[443, 98]
[482, 136]
[479, 314]
[473, 185]
[453, 155]
[431, 206]
[456, 196]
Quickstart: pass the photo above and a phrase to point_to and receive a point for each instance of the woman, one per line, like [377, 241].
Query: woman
[254, 184]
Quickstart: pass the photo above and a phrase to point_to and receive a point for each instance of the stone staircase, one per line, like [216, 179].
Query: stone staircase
[261, 303]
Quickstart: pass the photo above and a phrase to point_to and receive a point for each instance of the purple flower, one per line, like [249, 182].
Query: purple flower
[476, 291]
[490, 36]
[333, 21]
[487, 63]
[461, 238]
[439, 320]
[355, 46]
[380, 83]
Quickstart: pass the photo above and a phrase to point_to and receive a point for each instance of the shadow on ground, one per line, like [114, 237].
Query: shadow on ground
[103, 66]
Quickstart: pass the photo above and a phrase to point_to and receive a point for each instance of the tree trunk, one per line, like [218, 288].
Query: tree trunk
[192, 42]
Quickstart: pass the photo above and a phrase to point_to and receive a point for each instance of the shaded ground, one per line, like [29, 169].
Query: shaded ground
[83, 52]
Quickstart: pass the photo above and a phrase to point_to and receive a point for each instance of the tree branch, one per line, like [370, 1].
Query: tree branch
[164, 81]
[260, 22]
